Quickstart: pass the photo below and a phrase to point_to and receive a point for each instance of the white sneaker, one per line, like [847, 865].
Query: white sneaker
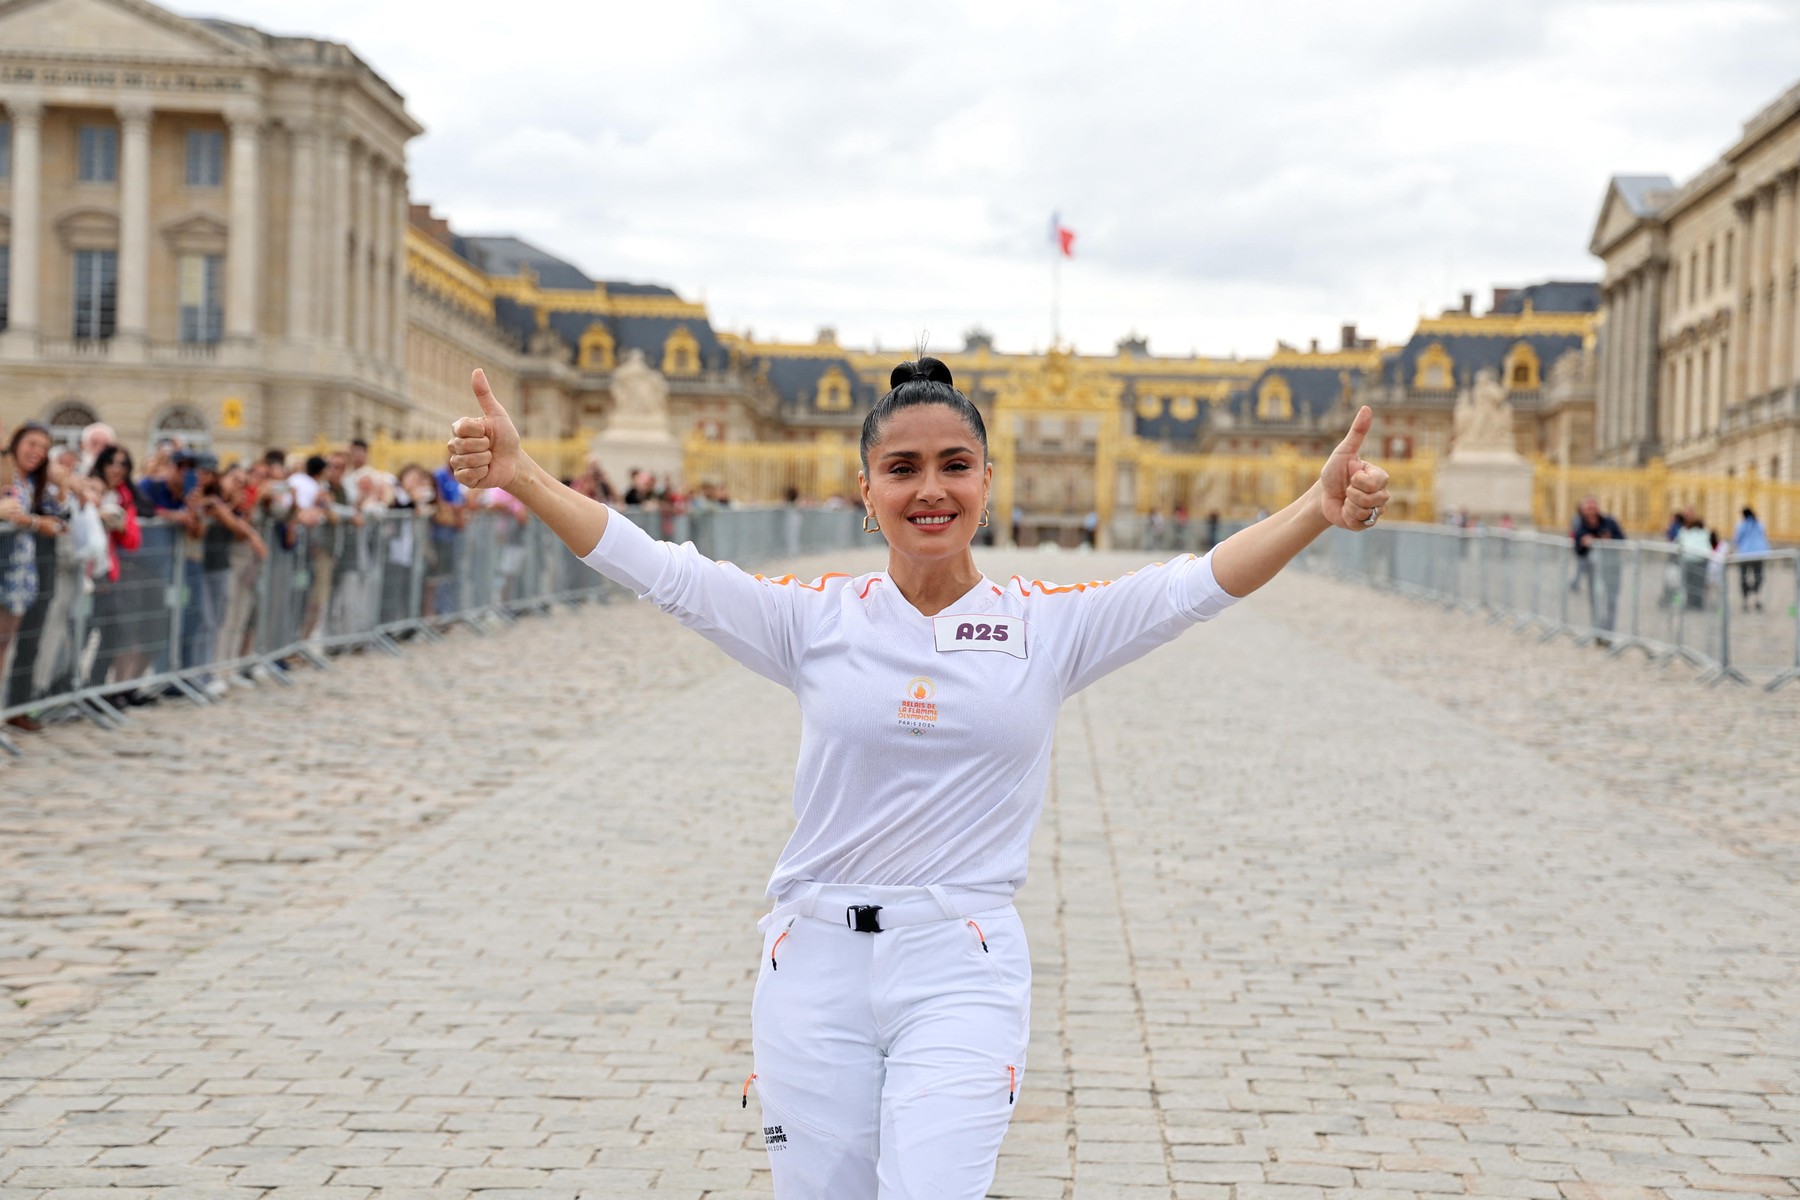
[215, 687]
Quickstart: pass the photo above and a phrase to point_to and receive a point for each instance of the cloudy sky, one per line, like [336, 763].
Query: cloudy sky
[1235, 173]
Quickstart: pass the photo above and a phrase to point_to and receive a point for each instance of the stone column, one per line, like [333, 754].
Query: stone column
[361, 316]
[337, 241]
[1780, 315]
[1743, 304]
[398, 313]
[1630, 345]
[1655, 273]
[244, 248]
[381, 241]
[134, 224]
[27, 203]
[303, 253]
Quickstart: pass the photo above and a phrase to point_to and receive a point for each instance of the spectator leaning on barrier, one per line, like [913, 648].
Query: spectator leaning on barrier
[94, 439]
[28, 503]
[234, 510]
[122, 595]
[53, 669]
[1750, 538]
[1695, 547]
[1600, 569]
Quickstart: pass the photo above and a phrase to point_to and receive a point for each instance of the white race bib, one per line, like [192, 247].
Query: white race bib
[980, 632]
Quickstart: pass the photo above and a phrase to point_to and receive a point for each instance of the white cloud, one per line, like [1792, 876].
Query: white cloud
[1236, 173]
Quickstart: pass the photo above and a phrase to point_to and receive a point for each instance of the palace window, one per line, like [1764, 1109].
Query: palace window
[1693, 276]
[5, 149]
[833, 394]
[179, 423]
[96, 293]
[1522, 368]
[202, 315]
[205, 158]
[1674, 285]
[597, 349]
[1149, 407]
[681, 353]
[1274, 400]
[1436, 370]
[99, 154]
[1709, 267]
[5, 280]
[1730, 239]
[68, 419]
[1184, 408]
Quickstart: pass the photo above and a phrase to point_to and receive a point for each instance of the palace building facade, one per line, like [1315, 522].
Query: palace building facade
[1700, 343]
[206, 232]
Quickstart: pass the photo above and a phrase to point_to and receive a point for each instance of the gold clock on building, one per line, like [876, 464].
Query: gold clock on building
[231, 413]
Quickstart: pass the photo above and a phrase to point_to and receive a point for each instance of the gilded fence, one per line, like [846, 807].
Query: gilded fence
[1644, 498]
[562, 457]
[764, 472]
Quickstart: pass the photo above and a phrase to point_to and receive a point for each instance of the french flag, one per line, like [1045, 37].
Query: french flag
[1061, 236]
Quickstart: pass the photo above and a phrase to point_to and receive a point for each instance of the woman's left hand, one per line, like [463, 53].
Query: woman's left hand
[1353, 492]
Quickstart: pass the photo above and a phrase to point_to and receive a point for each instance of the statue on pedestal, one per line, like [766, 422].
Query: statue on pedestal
[638, 434]
[1483, 421]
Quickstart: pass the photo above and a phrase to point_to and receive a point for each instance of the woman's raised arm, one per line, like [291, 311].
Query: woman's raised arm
[485, 453]
[1350, 494]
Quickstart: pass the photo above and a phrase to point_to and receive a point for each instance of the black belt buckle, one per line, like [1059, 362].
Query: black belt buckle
[861, 917]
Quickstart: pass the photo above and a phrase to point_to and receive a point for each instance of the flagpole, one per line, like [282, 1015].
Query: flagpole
[1056, 257]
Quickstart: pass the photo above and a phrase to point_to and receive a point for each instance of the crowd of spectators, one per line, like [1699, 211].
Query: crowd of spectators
[93, 523]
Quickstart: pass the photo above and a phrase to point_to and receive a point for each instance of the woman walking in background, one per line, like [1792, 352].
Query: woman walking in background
[1750, 538]
[890, 1016]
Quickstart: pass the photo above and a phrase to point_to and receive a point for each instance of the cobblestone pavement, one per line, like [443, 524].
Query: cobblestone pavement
[1338, 896]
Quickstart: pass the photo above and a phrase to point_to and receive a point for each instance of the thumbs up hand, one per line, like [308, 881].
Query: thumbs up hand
[484, 450]
[1353, 491]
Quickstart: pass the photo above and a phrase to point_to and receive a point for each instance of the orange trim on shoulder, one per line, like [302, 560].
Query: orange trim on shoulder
[873, 580]
[817, 585]
[1053, 589]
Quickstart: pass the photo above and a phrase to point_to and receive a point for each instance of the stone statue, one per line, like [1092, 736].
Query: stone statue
[639, 435]
[1484, 423]
[640, 396]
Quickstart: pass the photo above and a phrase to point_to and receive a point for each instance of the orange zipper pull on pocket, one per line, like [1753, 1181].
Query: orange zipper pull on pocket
[977, 929]
[1012, 1079]
[773, 965]
[747, 1089]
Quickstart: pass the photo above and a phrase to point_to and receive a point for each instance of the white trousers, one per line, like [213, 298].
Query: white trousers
[887, 1064]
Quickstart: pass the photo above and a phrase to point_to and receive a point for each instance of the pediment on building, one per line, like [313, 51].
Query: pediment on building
[196, 234]
[117, 28]
[88, 229]
[1631, 200]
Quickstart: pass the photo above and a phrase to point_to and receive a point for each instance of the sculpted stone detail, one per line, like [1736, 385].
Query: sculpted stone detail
[1484, 423]
[640, 396]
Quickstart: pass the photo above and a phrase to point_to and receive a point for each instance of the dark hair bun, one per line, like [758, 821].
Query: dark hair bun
[929, 369]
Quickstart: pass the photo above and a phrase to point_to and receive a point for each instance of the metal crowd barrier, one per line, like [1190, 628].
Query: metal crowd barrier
[1731, 617]
[178, 622]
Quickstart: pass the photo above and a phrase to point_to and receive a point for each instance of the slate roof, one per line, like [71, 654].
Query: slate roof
[1472, 352]
[503, 255]
[1315, 390]
[796, 381]
[1556, 295]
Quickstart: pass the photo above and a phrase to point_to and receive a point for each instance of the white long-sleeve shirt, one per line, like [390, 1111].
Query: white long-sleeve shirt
[925, 741]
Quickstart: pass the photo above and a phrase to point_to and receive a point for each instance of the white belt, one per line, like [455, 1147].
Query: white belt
[895, 906]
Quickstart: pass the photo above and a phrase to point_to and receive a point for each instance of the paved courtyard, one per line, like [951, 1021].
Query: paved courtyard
[1339, 896]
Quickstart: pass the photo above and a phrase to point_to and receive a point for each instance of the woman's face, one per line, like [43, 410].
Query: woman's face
[927, 483]
[115, 472]
[33, 449]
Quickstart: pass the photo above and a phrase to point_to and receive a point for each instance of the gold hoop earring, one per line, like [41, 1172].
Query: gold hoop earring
[870, 525]
[983, 523]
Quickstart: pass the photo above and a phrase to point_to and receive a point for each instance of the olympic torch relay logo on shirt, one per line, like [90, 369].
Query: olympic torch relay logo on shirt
[917, 711]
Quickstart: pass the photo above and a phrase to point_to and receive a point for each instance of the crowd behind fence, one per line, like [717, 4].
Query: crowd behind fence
[187, 619]
[1729, 616]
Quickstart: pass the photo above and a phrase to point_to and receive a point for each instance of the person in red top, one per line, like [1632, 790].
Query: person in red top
[114, 596]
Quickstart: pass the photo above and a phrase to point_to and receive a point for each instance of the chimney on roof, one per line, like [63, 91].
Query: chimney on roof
[1347, 336]
[1315, 346]
[425, 221]
[1468, 304]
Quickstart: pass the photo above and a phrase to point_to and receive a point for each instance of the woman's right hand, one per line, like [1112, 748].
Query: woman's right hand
[484, 450]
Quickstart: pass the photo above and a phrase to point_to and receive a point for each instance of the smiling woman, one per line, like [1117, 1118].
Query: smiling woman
[891, 1011]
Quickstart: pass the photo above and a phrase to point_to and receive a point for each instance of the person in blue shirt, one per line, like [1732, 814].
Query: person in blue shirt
[1750, 538]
